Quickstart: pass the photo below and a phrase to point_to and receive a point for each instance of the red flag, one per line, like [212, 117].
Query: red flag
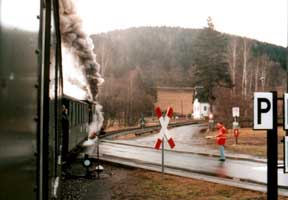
[171, 143]
[158, 144]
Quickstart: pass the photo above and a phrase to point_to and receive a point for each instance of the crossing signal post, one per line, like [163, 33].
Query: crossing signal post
[164, 122]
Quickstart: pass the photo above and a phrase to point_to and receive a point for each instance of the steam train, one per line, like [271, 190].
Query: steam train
[31, 100]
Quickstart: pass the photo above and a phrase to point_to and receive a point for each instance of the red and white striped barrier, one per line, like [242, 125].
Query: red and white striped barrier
[164, 121]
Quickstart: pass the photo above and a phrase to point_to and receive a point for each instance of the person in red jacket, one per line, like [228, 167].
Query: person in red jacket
[221, 139]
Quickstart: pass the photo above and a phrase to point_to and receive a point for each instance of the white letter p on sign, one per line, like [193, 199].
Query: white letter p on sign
[263, 110]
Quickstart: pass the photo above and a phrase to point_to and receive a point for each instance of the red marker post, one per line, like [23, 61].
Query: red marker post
[236, 135]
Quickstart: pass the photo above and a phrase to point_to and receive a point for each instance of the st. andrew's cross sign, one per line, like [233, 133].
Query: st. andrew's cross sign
[164, 121]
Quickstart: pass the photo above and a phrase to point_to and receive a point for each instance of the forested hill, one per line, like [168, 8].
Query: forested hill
[167, 55]
[227, 66]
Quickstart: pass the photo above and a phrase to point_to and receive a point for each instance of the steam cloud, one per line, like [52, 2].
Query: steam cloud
[97, 117]
[95, 126]
[75, 38]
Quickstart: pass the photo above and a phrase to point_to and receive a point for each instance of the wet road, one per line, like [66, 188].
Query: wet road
[183, 158]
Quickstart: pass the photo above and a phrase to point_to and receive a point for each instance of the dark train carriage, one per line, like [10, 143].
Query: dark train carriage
[78, 116]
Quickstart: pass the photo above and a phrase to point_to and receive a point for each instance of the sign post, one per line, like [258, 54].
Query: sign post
[235, 124]
[285, 126]
[265, 118]
[285, 154]
[285, 111]
[164, 121]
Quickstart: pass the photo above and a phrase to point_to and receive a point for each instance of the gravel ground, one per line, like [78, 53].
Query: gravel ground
[75, 186]
[74, 189]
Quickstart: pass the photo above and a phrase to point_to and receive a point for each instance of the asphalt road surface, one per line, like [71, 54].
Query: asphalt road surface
[187, 158]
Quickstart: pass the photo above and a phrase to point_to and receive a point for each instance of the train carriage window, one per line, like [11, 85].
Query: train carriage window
[85, 112]
[77, 119]
[79, 116]
[71, 112]
[82, 111]
[79, 113]
[76, 114]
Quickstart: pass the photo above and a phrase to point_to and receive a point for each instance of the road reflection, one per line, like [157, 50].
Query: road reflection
[220, 170]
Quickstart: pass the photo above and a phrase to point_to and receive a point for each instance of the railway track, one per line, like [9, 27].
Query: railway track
[148, 129]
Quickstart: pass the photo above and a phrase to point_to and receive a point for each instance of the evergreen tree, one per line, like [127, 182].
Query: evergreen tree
[211, 65]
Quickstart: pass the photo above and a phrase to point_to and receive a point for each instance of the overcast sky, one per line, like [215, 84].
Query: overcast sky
[264, 20]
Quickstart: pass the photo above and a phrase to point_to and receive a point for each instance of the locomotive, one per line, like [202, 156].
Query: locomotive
[32, 97]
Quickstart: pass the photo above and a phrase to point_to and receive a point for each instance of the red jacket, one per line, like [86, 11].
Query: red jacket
[221, 136]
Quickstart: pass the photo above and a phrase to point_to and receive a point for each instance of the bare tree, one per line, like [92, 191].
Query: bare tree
[247, 69]
[256, 78]
[244, 72]
[232, 53]
[263, 74]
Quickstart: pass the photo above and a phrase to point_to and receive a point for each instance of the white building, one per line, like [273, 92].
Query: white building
[200, 110]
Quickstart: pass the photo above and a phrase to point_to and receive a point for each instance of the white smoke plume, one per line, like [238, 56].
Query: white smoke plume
[97, 121]
[81, 44]
[95, 126]
[75, 38]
